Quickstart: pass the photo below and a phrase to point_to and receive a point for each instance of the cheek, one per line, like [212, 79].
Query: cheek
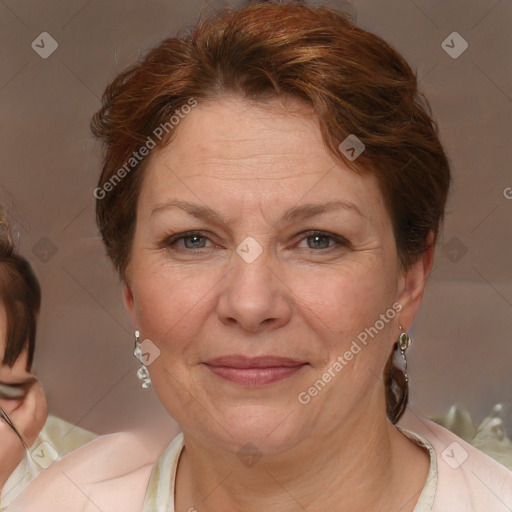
[171, 305]
[350, 303]
[347, 299]
[10, 405]
[174, 303]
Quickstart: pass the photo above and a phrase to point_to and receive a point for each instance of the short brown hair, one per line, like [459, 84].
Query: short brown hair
[20, 294]
[356, 83]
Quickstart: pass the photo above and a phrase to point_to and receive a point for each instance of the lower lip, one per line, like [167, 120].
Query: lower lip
[254, 376]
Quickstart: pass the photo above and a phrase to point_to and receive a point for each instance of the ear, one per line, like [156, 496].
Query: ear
[129, 304]
[412, 284]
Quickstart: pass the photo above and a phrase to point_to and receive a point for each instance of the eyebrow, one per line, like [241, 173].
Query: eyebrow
[293, 214]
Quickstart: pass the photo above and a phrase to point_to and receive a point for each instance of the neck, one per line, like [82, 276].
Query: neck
[365, 464]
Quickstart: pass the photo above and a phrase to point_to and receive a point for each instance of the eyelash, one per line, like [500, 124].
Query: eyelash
[170, 242]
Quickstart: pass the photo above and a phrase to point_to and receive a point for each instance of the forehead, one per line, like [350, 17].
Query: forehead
[234, 130]
[266, 151]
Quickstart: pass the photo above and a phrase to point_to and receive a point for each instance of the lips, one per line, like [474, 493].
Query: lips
[254, 371]
[238, 361]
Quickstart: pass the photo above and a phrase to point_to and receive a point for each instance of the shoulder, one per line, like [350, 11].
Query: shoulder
[468, 479]
[56, 439]
[63, 436]
[109, 473]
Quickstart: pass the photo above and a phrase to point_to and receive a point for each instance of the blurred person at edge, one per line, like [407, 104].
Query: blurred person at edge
[24, 423]
[293, 204]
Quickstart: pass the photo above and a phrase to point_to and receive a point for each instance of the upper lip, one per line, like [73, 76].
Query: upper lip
[240, 361]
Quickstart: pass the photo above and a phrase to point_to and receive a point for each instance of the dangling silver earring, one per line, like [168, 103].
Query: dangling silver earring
[404, 341]
[142, 372]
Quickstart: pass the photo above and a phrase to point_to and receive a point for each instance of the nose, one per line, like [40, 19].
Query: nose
[255, 297]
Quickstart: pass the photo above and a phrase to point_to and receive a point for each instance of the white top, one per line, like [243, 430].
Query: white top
[127, 472]
[56, 439]
[161, 489]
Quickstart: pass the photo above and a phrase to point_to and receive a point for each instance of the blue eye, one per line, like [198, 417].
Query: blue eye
[321, 240]
[191, 240]
[318, 241]
[195, 241]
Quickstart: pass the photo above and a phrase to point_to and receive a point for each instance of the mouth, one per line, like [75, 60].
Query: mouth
[254, 371]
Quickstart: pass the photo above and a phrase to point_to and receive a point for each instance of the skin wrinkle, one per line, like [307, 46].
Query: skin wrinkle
[295, 217]
[287, 302]
[270, 223]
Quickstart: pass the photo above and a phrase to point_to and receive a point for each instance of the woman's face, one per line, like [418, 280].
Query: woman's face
[292, 255]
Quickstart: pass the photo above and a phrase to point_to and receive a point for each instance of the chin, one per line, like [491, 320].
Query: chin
[271, 430]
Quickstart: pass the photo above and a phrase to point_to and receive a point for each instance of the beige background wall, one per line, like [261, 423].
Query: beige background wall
[49, 167]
